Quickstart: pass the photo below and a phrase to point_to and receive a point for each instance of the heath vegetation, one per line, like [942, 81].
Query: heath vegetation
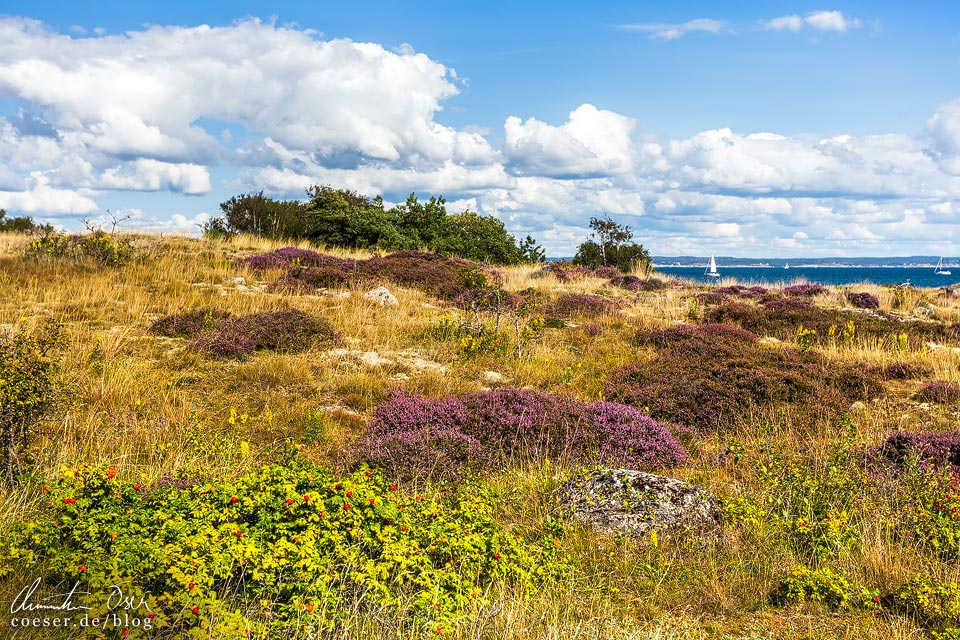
[228, 429]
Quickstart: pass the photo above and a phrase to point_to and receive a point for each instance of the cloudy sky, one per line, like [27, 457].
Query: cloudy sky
[753, 129]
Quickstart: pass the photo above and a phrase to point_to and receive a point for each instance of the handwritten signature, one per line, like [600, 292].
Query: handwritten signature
[24, 601]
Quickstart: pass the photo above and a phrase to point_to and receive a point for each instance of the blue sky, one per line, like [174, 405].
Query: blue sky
[774, 129]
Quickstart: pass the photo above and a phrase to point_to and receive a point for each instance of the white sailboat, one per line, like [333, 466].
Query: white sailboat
[940, 271]
[786, 265]
[711, 271]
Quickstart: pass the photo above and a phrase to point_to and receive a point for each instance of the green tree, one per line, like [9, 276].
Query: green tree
[611, 246]
[420, 221]
[21, 224]
[479, 238]
[345, 218]
[257, 214]
[532, 251]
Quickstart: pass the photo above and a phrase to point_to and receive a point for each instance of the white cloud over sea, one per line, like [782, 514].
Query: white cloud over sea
[191, 111]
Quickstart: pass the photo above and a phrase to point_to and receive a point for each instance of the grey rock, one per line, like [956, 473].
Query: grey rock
[382, 296]
[633, 503]
[925, 311]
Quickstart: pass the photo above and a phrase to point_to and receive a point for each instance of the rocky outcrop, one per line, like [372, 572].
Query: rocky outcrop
[633, 503]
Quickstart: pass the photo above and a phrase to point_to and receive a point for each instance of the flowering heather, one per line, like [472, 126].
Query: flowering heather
[292, 256]
[219, 335]
[632, 440]
[804, 290]
[741, 291]
[707, 376]
[223, 344]
[606, 272]
[863, 300]
[289, 330]
[628, 282]
[591, 329]
[781, 305]
[429, 272]
[933, 448]
[578, 304]
[901, 371]
[188, 325]
[409, 434]
[942, 392]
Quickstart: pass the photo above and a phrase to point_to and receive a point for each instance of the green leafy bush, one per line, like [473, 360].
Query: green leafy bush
[27, 389]
[936, 603]
[826, 586]
[279, 552]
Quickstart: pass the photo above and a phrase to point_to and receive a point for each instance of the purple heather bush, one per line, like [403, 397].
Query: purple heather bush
[591, 329]
[409, 434]
[292, 256]
[804, 290]
[578, 304]
[900, 371]
[706, 377]
[863, 300]
[219, 335]
[429, 272]
[942, 392]
[933, 448]
[188, 325]
[741, 291]
[780, 305]
[289, 330]
[223, 344]
[606, 272]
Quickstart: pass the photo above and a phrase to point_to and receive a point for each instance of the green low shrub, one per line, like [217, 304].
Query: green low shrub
[279, 552]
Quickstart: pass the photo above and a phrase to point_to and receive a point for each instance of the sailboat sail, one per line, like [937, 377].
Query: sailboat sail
[712, 269]
[940, 271]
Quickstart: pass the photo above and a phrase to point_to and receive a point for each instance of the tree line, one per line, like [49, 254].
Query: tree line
[344, 218]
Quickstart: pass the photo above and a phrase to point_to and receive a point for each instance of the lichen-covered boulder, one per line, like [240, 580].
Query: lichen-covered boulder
[382, 296]
[633, 503]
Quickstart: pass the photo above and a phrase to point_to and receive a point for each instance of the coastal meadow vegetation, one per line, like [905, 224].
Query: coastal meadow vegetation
[228, 431]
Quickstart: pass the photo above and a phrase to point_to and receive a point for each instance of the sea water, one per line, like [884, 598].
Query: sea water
[916, 276]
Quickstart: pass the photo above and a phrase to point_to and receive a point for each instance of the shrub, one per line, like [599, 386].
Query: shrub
[741, 291]
[606, 272]
[706, 376]
[293, 257]
[280, 548]
[189, 324]
[863, 300]
[223, 344]
[409, 434]
[429, 272]
[634, 283]
[289, 330]
[937, 448]
[825, 586]
[104, 248]
[27, 390]
[942, 392]
[804, 290]
[935, 603]
[711, 298]
[901, 371]
[578, 304]
[220, 335]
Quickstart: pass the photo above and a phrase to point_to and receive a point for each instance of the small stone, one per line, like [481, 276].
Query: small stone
[492, 376]
[382, 296]
[858, 406]
[237, 280]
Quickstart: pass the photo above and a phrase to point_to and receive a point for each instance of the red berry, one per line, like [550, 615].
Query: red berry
[233, 499]
[136, 487]
[195, 611]
[46, 487]
[125, 633]
[403, 528]
[436, 606]
[190, 586]
[82, 568]
[876, 601]
[239, 534]
[346, 506]
[367, 473]
[306, 498]
[338, 486]
[393, 487]
[289, 500]
[372, 501]
[349, 494]
[496, 556]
